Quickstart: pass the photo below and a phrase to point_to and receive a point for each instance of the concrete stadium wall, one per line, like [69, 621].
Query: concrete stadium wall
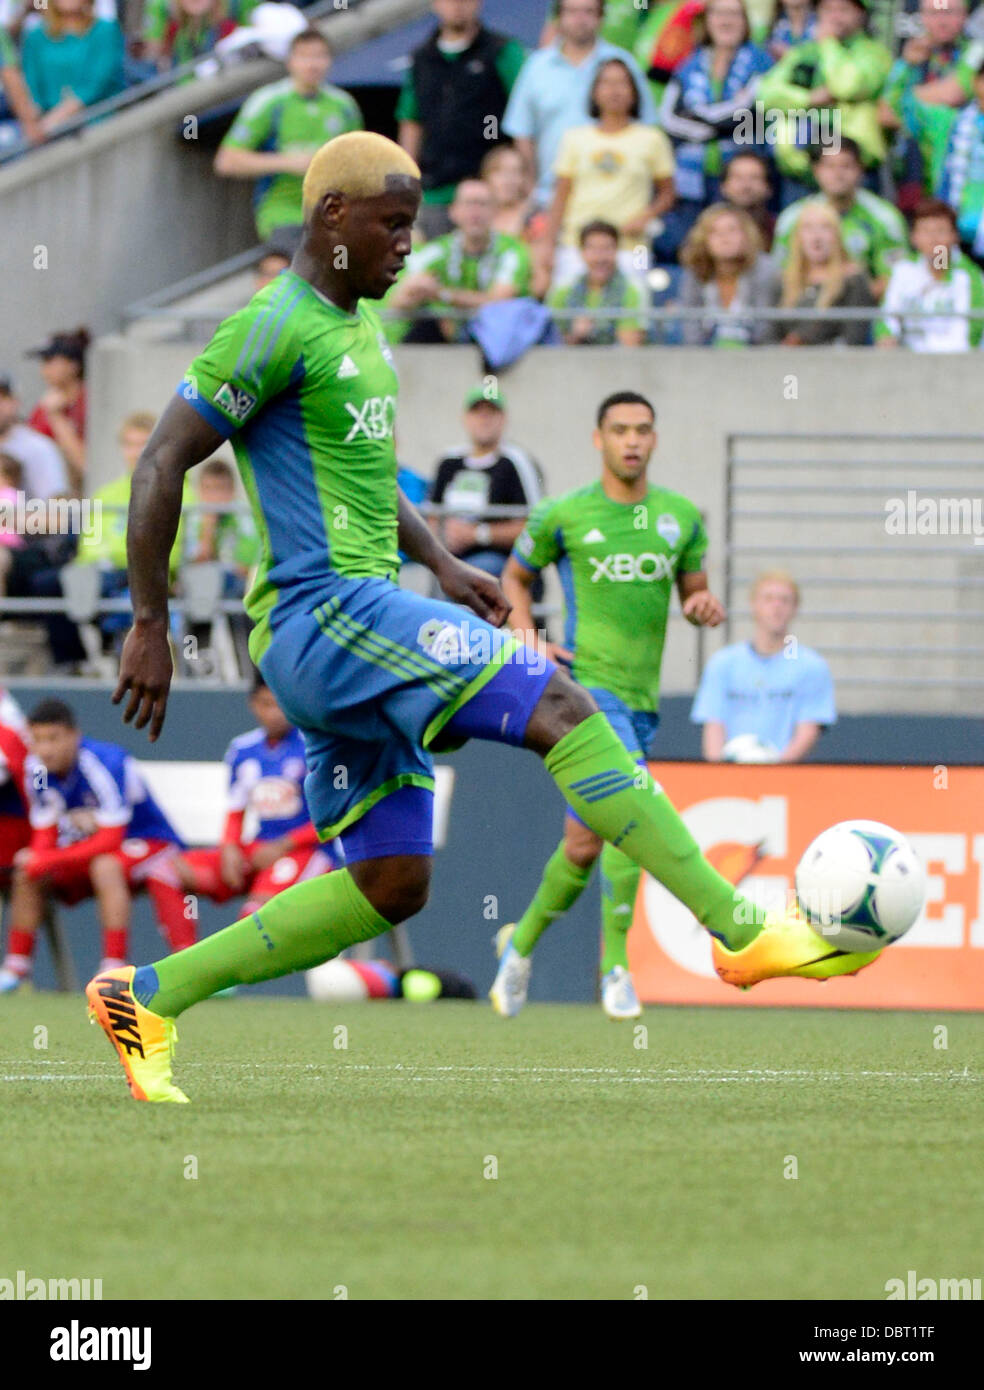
[702, 397]
[128, 206]
[503, 801]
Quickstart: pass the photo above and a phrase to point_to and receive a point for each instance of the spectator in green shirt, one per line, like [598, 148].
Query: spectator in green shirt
[874, 231]
[602, 286]
[937, 67]
[106, 547]
[281, 127]
[71, 60]
[160, 17]
[465, 269]
[452, 101]
[833, 80]
[954, 145]
[228, 537]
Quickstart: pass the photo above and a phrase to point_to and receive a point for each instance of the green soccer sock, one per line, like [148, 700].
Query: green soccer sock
[621, 802]
[619, 885]
[561, 886]
[298, 929]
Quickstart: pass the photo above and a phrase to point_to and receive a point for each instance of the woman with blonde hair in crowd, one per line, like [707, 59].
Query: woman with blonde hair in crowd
[819, 274]
[725, 269]
[71, 60]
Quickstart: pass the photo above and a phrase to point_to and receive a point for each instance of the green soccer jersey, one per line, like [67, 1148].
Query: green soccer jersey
[617, 563]
[307, 394]
[874, 231]
[505, 262]
[620, 293]
[278, 117]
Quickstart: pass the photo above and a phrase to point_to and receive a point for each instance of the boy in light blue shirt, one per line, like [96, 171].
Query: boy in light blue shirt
[769, 699]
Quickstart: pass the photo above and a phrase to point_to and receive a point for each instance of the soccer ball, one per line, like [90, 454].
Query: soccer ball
[860, 885]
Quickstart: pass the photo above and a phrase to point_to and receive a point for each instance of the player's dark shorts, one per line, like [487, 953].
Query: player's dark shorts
[376, 677]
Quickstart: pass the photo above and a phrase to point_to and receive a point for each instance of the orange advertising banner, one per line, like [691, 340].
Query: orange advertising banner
[754, 822]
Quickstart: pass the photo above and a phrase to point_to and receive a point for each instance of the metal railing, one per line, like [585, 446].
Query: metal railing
[886, 623]
[199, 323]
[32, 608]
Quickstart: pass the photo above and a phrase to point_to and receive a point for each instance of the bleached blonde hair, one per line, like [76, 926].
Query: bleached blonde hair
[358, 165]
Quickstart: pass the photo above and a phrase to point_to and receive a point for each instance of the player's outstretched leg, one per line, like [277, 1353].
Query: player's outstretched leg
[621, 802]
[296, 930]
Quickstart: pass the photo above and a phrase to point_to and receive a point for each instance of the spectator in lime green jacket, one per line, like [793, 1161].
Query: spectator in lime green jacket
[832, 82]
[71, 60]
[107, 546]
[954, 145]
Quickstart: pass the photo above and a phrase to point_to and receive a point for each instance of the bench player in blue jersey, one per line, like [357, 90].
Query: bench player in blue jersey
[266, 782]
[303, 383]
[96, 831]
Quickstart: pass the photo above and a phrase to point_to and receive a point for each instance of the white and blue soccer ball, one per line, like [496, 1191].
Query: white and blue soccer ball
[860, 885]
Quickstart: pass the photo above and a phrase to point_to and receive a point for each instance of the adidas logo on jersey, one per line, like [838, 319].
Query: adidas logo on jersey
[593, 537]
[347, 369]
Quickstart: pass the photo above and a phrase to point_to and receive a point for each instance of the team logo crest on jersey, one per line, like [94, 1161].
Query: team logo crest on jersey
[669, 528]
[234, 400]
[385, 349]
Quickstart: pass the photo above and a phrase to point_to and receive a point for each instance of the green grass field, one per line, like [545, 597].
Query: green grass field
[618, 1166]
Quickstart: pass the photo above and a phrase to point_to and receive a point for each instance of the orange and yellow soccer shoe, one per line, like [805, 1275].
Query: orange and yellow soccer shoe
[786, 945]
[144, 1041]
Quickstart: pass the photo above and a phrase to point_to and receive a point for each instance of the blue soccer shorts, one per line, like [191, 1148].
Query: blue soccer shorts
[375, 677]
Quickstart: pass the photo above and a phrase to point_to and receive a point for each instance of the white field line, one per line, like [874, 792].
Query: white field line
[506, 1072]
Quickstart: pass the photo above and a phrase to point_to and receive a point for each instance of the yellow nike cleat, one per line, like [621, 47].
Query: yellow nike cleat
[786, 945]
[144, 1041]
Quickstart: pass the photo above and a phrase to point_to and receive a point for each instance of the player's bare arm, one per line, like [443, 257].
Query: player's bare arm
[699, 605]
[182, 439]
[517, 585]
[461, 582]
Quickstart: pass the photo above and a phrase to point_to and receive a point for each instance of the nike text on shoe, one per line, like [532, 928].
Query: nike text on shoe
[143, 1041]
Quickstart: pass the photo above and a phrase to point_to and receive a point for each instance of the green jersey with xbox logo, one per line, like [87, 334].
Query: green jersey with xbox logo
[617, 563]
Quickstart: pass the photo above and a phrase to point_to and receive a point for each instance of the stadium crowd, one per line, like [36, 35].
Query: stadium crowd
[774, 175]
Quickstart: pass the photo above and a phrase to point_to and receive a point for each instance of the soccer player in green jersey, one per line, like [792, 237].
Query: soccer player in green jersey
[303, 383]
[620, 545]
